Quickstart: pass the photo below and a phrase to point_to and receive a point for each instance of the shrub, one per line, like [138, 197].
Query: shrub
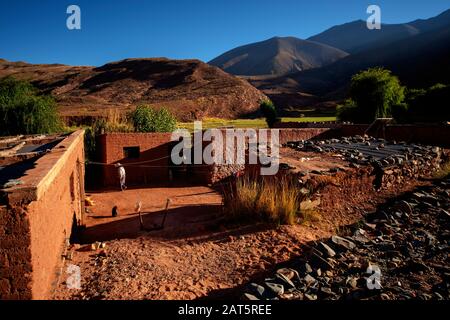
[23, 111]
[431, 105]
[269, 112]
[372, 94]
[275, 201]
[146, 119]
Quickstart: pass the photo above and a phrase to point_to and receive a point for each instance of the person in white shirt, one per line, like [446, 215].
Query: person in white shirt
[122, 176]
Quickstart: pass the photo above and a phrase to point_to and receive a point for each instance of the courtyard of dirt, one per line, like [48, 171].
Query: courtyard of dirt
[196, 255]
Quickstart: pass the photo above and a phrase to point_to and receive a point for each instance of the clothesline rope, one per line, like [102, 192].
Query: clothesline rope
[141, 166]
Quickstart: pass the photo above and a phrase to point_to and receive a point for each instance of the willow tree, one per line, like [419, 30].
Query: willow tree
[24, 111]
[373, 94]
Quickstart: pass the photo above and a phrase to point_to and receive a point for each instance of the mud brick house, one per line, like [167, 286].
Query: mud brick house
[41, 202]
[147, 161]
[145, 156]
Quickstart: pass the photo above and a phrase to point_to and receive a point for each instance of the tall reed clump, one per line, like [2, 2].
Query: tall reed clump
[117, 121]
[114, 121]
[275, 200]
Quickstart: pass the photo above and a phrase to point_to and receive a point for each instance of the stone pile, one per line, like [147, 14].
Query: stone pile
[391, 160]
[401, 251]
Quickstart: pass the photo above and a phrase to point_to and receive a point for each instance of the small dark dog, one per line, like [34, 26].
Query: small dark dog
[114, 212]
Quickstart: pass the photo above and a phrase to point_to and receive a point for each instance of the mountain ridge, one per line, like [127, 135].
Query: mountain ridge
[275, 56]
[354, 37]
[191, 89]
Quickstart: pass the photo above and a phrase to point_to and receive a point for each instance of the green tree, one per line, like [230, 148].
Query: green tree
[373, 93]
[24, 111]
[146, 119]
[269, 112]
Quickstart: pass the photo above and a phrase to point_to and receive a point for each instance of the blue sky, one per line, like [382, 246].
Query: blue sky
[35, 30]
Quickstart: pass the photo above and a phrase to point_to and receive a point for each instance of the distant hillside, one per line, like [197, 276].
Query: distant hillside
[419, 61]
[191, 89]
[355, 37]
[277, 56]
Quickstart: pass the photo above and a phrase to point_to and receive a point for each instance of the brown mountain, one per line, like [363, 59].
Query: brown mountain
[191, 89]
[277, 56]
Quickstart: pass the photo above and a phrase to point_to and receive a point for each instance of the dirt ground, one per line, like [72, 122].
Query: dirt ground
[191, 206]
[194, 256]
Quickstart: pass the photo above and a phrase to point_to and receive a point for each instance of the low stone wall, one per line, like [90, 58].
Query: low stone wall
[413, 169]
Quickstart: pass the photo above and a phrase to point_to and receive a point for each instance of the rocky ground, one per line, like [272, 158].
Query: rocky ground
[401, 251]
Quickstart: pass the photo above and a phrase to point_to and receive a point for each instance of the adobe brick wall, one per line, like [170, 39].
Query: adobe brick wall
[304, 125]
[350, 130]
[438, 135]
[297, 134]
[432, 134]
[15, 254]
[38, 218]
[425, 134]
[152, 146]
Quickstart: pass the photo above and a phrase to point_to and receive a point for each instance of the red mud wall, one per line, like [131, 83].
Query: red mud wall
[151, 146]
[434, 135]
[287, 135]
[34, 233]
[51, 220]
[304, 125]
[15, 254]
[426, 134]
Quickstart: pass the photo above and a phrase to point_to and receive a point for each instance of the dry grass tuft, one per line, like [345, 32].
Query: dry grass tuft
[276, 200]
[117, 121]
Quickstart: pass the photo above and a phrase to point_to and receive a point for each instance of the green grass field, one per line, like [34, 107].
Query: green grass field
[210, 123]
